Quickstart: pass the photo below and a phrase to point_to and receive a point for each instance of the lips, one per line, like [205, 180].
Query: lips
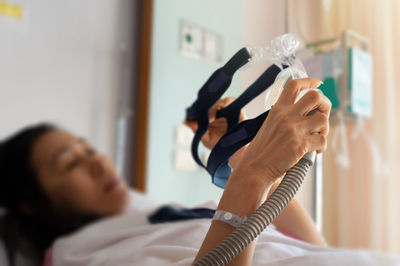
[113, 183]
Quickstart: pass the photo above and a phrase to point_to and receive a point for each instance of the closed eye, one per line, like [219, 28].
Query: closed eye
[72, 164]
[91, 152]
[75, 162]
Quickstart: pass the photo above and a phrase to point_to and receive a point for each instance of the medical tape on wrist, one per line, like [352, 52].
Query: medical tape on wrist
[229, 218]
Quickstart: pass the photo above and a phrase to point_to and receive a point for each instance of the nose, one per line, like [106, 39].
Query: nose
[97, 166]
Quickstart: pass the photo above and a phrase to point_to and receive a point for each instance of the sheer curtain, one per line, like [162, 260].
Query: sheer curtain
[361, 204]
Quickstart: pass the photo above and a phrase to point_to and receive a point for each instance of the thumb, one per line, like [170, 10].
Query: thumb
[192, 124]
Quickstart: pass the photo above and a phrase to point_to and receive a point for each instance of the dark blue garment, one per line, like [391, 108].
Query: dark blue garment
[168, 214]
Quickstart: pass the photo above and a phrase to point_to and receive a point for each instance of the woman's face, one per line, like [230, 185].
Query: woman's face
[75, 177]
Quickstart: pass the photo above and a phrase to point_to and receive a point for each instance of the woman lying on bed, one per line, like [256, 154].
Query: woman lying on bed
[57, 190]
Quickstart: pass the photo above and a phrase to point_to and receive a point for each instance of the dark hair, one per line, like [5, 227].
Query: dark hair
[30, 224]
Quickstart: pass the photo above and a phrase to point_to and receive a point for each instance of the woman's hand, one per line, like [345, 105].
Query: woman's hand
[283, 139]
[286, 134]
[217, 127]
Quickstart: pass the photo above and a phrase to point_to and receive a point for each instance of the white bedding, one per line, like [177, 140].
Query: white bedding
[130, 240]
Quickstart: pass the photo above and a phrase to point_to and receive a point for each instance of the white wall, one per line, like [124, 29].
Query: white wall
[62, 62]
[66, 62]
[263, 20]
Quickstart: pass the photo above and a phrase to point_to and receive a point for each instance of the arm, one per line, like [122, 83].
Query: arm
[241, 198]
[293, 219]
[282, 140]
[296, 221]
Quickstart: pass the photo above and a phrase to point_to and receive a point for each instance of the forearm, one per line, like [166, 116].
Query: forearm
[237, 156]
[295, 220]
[242, 196]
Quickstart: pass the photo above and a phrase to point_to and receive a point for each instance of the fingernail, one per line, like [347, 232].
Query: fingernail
[316, 89]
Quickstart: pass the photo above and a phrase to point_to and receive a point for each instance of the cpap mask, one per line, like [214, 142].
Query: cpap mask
[281, 52]
[286, 66]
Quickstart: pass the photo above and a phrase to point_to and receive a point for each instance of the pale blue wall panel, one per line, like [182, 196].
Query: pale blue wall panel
[175, 80]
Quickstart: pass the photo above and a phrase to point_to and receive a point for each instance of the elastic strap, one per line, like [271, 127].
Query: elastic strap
[209, 94]
[232, 111]
[232, 141]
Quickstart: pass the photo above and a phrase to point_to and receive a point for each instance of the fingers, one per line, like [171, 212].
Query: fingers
[192, 124]
[293, 88]
[311, 123]
[316, 143]
[220, 104]
[311, 101]
[318, 122]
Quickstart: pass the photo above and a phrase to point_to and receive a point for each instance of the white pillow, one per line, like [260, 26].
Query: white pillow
[140, 202]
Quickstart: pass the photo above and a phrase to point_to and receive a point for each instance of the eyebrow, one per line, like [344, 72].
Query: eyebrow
[65, 149]
[59, 153]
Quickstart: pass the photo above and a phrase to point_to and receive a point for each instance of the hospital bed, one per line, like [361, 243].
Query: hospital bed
[129, 239]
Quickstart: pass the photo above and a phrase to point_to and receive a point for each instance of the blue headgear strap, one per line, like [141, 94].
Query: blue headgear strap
[232, 141]
[238, 135]
[209, 94]
[232, 111]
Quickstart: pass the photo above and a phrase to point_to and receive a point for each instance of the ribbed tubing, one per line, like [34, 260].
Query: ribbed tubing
[244, 234]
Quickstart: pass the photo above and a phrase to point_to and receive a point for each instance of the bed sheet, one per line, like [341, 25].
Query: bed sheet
[130, 240]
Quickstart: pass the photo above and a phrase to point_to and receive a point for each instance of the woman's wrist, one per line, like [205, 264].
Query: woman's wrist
[236, 157]
[244, 192]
